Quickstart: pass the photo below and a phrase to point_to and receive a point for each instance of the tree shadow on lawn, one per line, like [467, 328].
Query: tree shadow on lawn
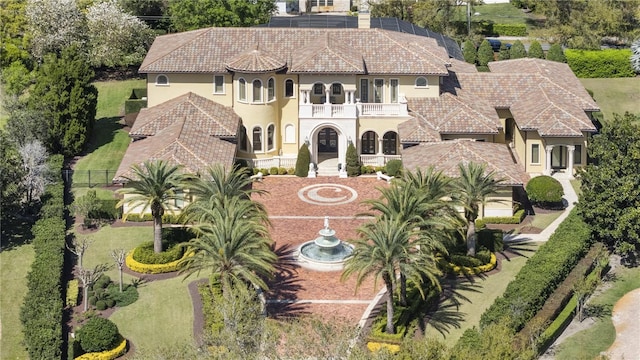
[104, 131]
[15, 230]
[446, 314]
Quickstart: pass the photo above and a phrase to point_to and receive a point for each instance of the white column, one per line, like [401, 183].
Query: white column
[570, 150]
[380, 146]
[547, 160]
[326, 94]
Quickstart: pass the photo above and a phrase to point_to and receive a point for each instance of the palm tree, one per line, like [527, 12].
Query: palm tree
[474, 188]
[233, 244]
[378, 253]
[218, 183]
[154, 185]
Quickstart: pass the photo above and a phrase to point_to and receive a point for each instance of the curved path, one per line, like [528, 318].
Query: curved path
[626, 319]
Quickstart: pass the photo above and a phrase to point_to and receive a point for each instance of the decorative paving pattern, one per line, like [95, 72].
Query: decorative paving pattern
[327, 194]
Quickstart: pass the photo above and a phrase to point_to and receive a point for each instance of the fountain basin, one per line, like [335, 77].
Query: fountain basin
[315, 257]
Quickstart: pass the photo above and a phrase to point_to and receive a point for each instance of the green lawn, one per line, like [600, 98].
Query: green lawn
[479, 296]
[615, 95]
[14, 266]
[108, 141]
[588, 343]
[163, 314]
[502, 14]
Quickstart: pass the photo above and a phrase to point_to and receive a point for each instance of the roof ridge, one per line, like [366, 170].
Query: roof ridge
[208, 115]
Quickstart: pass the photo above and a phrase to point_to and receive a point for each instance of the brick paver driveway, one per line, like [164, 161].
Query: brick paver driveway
[296, 208]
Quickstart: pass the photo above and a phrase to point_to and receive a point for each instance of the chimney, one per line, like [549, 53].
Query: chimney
[364, 17]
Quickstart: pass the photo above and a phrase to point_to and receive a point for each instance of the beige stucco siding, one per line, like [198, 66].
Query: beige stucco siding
[501, 204]
[530, 166]
[179, 84]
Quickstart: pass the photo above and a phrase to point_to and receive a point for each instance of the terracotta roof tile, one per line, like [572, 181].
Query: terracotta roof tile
[256, 61]
[446, 155]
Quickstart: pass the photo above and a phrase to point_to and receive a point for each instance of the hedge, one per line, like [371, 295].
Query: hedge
[166, 218]
[465, 270]
[377, 346]
[106, 355]
[41, 311]
[610, 63]
[72, 292]
[152, 268]
[517, 218]
[510, 29]
[541, 275]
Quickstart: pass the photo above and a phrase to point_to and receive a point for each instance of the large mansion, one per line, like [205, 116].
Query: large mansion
[217, 95]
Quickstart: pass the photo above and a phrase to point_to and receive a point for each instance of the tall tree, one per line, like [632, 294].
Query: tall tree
[11, 175]
[469, 52]
[474, 189]
[196, 14]
[504, 53]
[116, 39]
[35, 169]
[378, 252]
[535, 50]
[610, 199]
[65, 95]
[485, 53]
[517, 50]
[154, 186]
[53, 25]
[233, 244]
[13, 33]
[556, 53]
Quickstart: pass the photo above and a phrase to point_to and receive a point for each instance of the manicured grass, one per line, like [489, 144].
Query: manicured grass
[575, 183]
[14, 266]
[479, 296]
[615, 95]
[541, 221]
[108, 141]
[501, 14]
[163, 314]
[588, 343]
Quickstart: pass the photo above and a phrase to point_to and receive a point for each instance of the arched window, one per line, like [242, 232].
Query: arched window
[242, 138]
[257, 139]
[390, 143]
[318, 89]
[289, 134]
[257, 91]
[368, 143]
[242, 90]
[271, 129]
[162, 80]
[271, 89]
[288, 88]
[421, 82]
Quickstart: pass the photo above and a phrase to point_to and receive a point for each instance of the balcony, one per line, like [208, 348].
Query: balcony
[351, 111]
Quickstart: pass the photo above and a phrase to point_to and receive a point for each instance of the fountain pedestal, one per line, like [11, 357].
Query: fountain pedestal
[326, 252]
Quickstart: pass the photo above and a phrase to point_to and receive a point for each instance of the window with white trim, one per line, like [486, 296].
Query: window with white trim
[318, 89]
[257, 91]
[271, 89]
[162, 80]
[271, 129]
[378, 90]
[577, 155]
[535, 153]
[394, 90]
[421, 82]
[242, 90]
[218, 84]
[289, 134]
[242, 138]
[257, 139]
[288, 88]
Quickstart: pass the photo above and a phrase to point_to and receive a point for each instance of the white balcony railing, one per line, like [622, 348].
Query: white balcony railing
[351, 111]
[276, 161]
[377, 160]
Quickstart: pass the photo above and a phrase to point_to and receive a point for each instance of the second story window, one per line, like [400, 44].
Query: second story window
[421, 82]
[393, 90]
[270, 137]
[271, 89]
[318, 89]
[257, 91]
[218, 84]
[242, 90]
[288, 88]
[162, 80]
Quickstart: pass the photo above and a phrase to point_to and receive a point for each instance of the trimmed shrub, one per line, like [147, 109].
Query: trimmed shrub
[72, 292]
[517, 50]
[302, 162]
[541, 275]
[544, 191]
[485, 53]
[394, 168]
[517, 218]
[610, 63]
[128, 296]
[151, 268]
[535, 50]
[282, 171]
[274, 170]
[469, 52]
[101, 305]
[510, 29]
[556, 53]
[145, 254]
[98, 334]
[504, 52]
[166, 218]
[114, 353]
[353, 162]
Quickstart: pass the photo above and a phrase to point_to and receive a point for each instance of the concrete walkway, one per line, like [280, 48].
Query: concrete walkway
[570, 198]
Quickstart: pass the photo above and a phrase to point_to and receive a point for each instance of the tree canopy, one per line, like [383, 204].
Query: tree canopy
[610, 199]
[197, 14]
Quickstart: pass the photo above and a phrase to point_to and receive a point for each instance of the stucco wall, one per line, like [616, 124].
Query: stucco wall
[179, 84]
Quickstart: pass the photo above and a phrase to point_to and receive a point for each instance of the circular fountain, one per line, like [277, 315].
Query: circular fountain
[326, 252]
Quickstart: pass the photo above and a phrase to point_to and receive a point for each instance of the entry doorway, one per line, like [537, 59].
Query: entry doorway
[328, 141]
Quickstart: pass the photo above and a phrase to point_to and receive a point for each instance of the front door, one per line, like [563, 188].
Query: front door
[559, 157]
[327, 141]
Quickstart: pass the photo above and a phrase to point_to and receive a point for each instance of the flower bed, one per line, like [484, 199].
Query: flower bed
[152, 268]
[465, 270]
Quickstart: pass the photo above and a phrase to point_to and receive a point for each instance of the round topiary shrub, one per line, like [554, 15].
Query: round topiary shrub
[93, 300]
[98, 334]
[394, 167]
[545, 191]
[273, 170]
[101, 305]
[110, 302]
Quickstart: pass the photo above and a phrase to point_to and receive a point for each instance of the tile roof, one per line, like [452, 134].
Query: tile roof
[376, 50]
[255, 61]
[446, 155]
[188, 131]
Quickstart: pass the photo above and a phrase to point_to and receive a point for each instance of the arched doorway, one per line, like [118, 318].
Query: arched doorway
[327, 141]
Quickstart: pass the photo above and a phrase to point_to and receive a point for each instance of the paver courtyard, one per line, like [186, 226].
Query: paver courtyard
[296, 208]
